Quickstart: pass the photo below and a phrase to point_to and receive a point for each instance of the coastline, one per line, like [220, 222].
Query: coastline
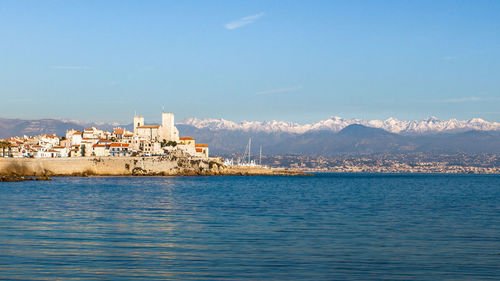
[177, 164]
[453, 170]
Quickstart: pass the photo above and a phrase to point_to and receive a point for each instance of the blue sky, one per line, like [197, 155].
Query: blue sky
[299, 61]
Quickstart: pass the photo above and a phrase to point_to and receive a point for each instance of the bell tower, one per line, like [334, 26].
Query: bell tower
[138, 121]
[167, 126]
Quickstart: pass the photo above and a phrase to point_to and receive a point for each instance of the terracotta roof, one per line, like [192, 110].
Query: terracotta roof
[128, 135]
[99, 145]
[148, 127]
[186, 138]
[118, 131]
[50, 136]
[199, 150]
[117, 144]
[201, 145]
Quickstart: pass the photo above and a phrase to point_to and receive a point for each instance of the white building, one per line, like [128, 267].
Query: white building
[166, 131]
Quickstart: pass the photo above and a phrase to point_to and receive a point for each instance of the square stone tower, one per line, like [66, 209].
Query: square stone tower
[168, 130]
[138, 121]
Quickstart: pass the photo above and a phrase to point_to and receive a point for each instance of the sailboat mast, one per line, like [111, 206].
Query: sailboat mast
[260, 156]
[249, 145]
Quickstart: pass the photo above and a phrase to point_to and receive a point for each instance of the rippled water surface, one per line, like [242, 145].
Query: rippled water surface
[346, 227]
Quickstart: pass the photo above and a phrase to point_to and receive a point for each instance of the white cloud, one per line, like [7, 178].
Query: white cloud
[243, 21]
[71, 67]
[277, 91]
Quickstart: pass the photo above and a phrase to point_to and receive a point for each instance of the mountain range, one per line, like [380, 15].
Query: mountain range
[329, 137]
[430, 125]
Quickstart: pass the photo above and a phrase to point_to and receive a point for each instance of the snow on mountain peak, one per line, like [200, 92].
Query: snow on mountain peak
[335, 124]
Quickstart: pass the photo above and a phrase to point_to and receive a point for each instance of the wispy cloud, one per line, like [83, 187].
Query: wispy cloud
[278, 91]
[471, 99]
[243, 21]
[71, 67]
[486, 112]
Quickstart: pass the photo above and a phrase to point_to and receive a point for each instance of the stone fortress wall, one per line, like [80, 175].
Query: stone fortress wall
[175, 164]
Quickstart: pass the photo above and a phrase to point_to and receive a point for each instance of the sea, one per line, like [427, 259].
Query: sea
[320, 227]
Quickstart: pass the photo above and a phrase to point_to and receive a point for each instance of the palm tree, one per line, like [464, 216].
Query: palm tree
[4, 145]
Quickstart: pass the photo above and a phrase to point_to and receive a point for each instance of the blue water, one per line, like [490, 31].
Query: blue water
[331, 226]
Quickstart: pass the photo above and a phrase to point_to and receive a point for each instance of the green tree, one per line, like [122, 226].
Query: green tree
[4, 145]
[168, 143]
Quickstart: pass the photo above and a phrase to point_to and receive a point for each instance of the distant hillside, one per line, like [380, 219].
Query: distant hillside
[351, 139]
[19, 127]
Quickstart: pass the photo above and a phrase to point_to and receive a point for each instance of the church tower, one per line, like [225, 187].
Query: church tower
[138, 121]
[167, 126]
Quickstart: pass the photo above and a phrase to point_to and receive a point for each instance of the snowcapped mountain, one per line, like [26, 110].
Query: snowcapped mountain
[430, 125]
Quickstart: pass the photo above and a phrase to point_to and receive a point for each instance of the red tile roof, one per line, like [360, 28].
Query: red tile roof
[186, 138]
[149, 127]
[199, 150]
[201, 145]
[99, 145]
[118, 131]
[117, 144]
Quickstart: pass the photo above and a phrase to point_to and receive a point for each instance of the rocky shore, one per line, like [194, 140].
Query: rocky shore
[17, 179]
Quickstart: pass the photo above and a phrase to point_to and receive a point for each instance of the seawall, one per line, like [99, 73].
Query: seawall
[171, 165]
[110, 166]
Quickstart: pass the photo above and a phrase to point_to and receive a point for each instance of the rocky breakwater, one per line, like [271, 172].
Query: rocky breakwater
[18, 179]
[176, 163]
[259, 171]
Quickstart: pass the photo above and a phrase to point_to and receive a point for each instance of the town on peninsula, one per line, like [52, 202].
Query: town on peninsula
[159, 149]
[155, 150]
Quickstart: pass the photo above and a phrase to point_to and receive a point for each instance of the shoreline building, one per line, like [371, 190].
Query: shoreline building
[146, 140]
[166, 131]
